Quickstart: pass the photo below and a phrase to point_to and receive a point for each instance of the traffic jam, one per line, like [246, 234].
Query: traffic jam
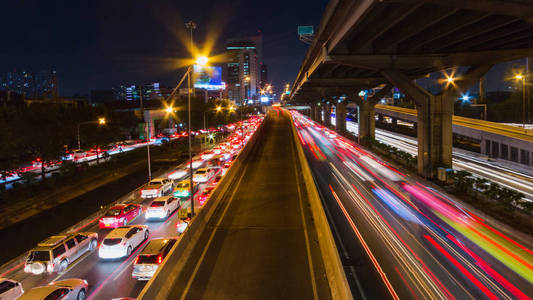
[114, 255]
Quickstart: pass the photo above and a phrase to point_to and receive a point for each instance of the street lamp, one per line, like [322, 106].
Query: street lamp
[523, 79]
[100, 121]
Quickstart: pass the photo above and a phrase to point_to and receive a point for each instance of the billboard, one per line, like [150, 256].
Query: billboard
[208, 77]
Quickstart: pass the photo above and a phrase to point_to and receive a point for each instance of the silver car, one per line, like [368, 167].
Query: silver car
[69, 289]
[148, 261]
[57, 252]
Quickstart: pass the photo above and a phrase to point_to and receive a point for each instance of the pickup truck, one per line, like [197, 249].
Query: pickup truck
[157, 187]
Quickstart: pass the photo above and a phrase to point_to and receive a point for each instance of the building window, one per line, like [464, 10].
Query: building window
[505, 152]
[495, 153]
[514, 154]
[524, 157]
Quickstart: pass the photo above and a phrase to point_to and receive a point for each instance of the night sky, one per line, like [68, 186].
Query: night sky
[100, 44]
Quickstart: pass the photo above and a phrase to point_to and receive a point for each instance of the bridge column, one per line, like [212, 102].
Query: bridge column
[434, 114]
[327, 114]
[312, 112]
[366, 113]
[340, 116]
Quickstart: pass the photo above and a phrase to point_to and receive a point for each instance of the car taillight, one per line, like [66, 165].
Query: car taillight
[50, 267]
[159, 259]
[136, 260]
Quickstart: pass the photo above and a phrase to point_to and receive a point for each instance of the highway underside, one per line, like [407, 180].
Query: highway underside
[261, 243]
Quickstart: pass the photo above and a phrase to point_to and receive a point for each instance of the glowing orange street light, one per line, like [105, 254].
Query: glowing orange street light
[202, 60]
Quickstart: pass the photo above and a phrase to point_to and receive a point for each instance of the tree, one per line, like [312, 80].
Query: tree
[44, 133]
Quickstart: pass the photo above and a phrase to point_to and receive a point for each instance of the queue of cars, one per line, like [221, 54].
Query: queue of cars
[57, 253]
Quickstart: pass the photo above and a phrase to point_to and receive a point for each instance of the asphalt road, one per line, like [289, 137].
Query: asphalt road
[474, 163]
[423, 244]
[107, 279]
[262, 243]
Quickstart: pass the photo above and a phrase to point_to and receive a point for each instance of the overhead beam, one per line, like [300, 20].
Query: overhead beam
[438, 61]
[393, 14]
[473, 30]
[451, 24]
[421, 19]
[500, 7]
[495, 35]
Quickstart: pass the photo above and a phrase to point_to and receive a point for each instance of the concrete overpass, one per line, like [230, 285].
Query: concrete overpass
[496, 140]
[366, 43]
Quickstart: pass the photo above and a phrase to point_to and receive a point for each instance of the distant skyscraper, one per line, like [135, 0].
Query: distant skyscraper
[242, 65]
[264, 76]
[151, 91]
[39, 84]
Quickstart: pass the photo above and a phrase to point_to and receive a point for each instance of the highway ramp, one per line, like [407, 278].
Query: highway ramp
[262, 243]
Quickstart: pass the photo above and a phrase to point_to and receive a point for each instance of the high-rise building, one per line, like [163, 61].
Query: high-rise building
[264, 76]
[38, 84]
[242, 71]
[150, 91]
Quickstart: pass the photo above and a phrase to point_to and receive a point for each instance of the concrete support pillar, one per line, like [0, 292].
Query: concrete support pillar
[318, 113]
[327, 114]
[367, 121]
[340, 117]
[312, 112]
[434, 113]
[394, 122]
[366, 113]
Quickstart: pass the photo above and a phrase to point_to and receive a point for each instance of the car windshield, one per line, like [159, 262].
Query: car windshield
[113, 213]
[147, 259]
[183, 185]
[157, 203]
[201, 172]
[111, 242]
[39, 256]
[155, 183]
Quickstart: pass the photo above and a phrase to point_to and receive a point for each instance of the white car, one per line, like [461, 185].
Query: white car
[10, 289]
[207, 155]
[179, 173]
[157, 187]
[69, 289]
[121, 241]
[162, 207]
[203, 175]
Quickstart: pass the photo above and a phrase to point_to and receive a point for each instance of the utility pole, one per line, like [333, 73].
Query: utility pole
[191, 26]
[148, 133]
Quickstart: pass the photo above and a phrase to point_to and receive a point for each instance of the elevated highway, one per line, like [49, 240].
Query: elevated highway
[261, 234]
[365, 44]
[498, 141]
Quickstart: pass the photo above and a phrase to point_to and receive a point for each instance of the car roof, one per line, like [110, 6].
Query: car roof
[39, 292]
[155, 246]
[53, 240]
[163, 198]
[158, 178]
[119, 232]
[118, 206]
[202, 169]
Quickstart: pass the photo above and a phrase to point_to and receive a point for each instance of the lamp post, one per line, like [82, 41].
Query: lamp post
[100, 121]
[523, 79]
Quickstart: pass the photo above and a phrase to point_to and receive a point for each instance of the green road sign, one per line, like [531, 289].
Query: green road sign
[306, 30]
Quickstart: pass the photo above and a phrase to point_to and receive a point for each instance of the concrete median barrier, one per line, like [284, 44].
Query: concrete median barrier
[160, 286]
[338, 283]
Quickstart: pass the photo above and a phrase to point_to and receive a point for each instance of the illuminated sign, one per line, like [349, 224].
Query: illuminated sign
[208, 77]
[264, 99]
[306, 30]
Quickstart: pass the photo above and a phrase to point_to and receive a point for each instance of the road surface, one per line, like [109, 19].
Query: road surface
[423, 244]
[261, 243]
